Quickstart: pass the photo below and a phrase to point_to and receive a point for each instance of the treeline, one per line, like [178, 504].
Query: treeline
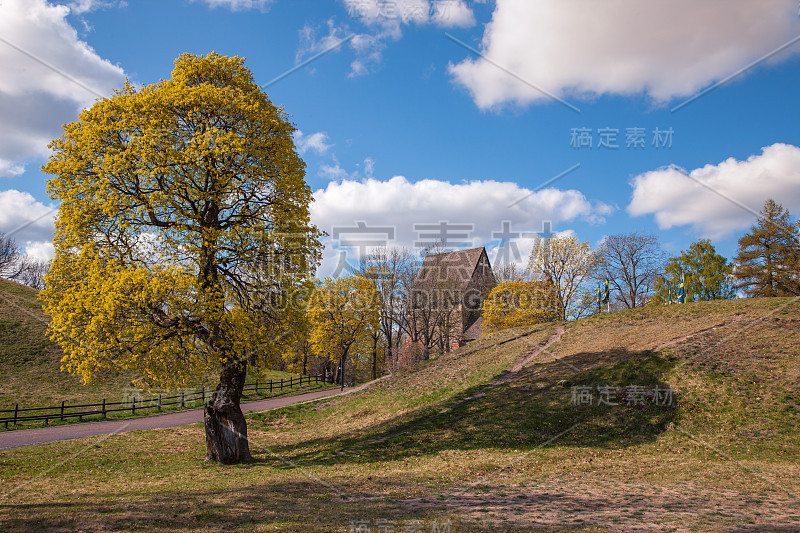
[371, 321]
[18, 266]
[565, 279]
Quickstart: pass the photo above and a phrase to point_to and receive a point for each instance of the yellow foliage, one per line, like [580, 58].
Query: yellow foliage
[343, 313]
[183, 221]
[520, 303]
[566, 262]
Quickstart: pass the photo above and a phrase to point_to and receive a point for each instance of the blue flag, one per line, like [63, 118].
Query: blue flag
[681, 293]
[605, 294]
[598, 299]
[669, 302]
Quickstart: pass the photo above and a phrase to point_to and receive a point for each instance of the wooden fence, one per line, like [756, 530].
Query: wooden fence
[64, 411]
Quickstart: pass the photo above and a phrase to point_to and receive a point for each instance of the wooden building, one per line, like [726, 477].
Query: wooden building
[447, 297]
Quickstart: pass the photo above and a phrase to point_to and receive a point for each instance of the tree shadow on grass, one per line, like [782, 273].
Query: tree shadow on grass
[297, 505]
[609, 399]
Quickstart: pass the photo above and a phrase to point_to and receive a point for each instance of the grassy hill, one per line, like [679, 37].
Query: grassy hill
[30, 362]
[459, 442]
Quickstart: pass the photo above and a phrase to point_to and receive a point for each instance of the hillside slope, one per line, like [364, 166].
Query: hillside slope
[30, 362]
[460, 440]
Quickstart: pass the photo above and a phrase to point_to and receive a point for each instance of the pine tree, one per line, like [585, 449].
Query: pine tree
[769, 255]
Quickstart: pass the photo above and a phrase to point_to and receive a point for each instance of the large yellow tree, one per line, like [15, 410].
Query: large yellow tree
[182, 229]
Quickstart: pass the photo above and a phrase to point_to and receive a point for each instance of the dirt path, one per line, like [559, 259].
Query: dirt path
[27, 437]
[524, 360]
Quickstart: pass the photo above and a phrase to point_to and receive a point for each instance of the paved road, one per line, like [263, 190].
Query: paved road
[27, 437]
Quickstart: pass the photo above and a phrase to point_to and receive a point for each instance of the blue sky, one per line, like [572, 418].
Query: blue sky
[418, 112]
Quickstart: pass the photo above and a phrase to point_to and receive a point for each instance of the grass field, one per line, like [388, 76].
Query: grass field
[438, 448]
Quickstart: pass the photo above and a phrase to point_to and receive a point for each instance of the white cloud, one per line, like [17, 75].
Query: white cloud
[27, 221]
[318, 142]
[333, 172]
[79, 7]
[579, 48]
[677, 200]
[369, 167]
[452, 14]
[368, 47]
[389, 13]
[385, 20]
[239, 5]
[42, 251]
[483, 205]
[48, 76]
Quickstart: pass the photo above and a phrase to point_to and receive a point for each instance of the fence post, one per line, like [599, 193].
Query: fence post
[270, 385]
[182, 404]
[203, 390]
[281, 384]
[62, 410]
[104, 407]
[159, 401]
[16, 408]
[133, 406]
[256, 386]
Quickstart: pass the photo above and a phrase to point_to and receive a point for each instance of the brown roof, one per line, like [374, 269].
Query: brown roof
[456, 266]
[474, 330]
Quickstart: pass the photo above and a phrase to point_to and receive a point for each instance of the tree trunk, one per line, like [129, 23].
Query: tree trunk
[226, 429]
[375, 357]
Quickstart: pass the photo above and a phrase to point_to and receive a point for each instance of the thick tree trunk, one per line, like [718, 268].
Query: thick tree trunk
[226, 429]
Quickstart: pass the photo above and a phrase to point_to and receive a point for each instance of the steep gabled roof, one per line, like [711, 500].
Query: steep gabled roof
[454, 267]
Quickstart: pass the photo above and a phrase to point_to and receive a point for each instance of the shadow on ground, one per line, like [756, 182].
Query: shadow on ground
[563, 396]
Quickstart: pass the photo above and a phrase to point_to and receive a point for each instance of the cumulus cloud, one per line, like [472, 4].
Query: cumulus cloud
[27, 221]
[578, 48]
[730, 193]
[479, 211]
[40, 251]
[239, 5]
[48, 76]
[317, 142]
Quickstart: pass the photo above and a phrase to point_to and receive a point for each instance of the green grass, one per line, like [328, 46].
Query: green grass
[520, 456]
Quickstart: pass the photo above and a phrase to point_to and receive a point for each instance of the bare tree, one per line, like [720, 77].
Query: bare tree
[507, 271]
[631, 262]
[10, 258]
[32, 272]
[392, 271]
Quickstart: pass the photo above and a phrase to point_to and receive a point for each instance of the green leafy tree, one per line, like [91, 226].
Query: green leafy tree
[183, 226]
[768, 261]
[707, 275]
